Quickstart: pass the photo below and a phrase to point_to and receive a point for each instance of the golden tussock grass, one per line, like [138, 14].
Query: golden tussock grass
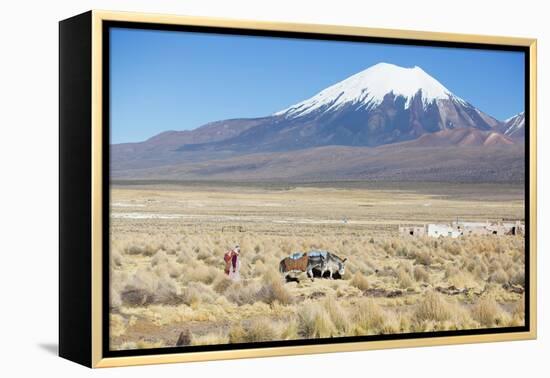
[214, 338]
[315, 322]
[360, 281]
[289, 330]
[487, 312]
[274, 290]
[338, 315]
[117, 325]
[368, 317]
[421, 274]
[148, 286]
[404, 276]
[168, 273]
[433, 307]
[256, 330]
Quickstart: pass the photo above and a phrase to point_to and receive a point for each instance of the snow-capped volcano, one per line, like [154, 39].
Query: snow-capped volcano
[367, 89]
[382, 105]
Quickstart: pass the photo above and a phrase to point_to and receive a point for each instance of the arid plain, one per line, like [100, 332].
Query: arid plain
[168, 239]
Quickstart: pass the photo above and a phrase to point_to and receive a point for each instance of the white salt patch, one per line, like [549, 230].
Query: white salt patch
[145, 216]
[126, 204]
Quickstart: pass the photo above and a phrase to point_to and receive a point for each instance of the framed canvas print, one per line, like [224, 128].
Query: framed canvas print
[235, 189]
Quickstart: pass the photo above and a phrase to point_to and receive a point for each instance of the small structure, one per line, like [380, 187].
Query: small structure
[460, 228]
[520, 230]
[472, 228]
[490, 228]
[412, 230]
[442, 230]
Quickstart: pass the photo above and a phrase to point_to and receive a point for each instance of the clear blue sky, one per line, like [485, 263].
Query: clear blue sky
[163, 80]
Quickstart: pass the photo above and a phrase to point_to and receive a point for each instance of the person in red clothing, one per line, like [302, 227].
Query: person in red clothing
[232, 263]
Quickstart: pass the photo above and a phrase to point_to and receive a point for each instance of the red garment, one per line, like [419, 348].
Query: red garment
[228, 257]
[234, 260]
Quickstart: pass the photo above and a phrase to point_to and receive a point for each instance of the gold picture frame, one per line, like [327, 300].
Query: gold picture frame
[86, 33]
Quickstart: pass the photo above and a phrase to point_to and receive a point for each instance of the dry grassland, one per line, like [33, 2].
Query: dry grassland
[167, 267]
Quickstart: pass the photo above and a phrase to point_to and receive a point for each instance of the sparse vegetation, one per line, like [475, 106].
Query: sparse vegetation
[167, 272]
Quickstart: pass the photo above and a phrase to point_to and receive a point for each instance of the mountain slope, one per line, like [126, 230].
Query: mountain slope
[380, 105]
[162, 148]
[514, 127]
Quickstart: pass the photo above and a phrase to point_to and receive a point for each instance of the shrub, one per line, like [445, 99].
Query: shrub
[395, 323]
[146, 344]
[519, 308]
[518, 278]
[337, 314]
[201, 273]
[116, 258]
[214, 338]
[146, 287]
[421, 274]
[184, 257]
[237, 334]
[256, 330]
[434, 308]
[368, 317]
[114, 298]
[486, 312]
[174, 270]
[259, 330]
[117, 283]
[360, 281]
[273, 290]
[454, 248]
[242, 293]
[423, 258]
[221, 283]
[480, 271]
[451, 270]
[160, 258]
[315, 322]
[259, 269]
[499, 276]
[290, 331]
[117, 325]
[402, 251]
[141, 249]
[404, 278]
[197, 292]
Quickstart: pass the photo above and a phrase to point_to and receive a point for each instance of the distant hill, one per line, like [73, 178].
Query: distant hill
[406, 162]
[462, 137]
